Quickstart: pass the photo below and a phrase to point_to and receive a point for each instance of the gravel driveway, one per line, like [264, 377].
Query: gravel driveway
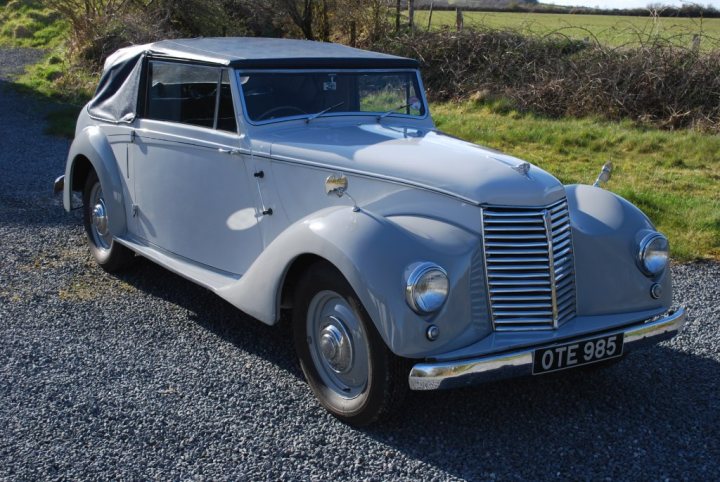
[146, 375]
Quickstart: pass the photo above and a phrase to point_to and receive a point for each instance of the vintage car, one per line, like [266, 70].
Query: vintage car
[308, 178]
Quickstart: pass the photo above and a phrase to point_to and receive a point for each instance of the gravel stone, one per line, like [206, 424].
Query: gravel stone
[147, 376]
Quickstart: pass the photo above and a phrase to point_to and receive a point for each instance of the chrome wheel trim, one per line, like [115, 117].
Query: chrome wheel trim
[99, 219]
[338, 344]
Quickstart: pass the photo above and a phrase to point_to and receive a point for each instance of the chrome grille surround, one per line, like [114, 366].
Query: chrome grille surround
[530, 266]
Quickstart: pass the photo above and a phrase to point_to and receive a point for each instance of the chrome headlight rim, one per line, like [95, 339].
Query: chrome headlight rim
[417, 272]
[645, 243]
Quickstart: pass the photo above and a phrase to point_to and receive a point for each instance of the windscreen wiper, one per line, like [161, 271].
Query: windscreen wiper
[324, 111]
[394, 111]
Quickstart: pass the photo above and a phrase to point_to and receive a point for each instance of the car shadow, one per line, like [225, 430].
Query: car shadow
[273, 343]
[656, 405]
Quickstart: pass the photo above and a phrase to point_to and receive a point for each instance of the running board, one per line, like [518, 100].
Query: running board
[201, 274]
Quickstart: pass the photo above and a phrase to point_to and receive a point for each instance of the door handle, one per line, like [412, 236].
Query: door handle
[232, 152]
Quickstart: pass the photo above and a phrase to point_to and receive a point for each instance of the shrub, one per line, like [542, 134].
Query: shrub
[656, 82]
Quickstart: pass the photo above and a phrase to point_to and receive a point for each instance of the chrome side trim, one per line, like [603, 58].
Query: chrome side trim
[442, 375]
[365, 174]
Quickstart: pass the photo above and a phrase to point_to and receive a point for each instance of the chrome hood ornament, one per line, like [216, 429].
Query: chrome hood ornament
[604, 175]
[523, 168]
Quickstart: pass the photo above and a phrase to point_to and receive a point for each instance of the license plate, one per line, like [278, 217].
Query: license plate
[577, 354]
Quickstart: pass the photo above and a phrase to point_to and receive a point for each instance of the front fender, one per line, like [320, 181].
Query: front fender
[373, 252]
[92, 144]
[606, 233]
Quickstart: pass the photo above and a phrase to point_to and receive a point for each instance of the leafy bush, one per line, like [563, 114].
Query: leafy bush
[556, 76]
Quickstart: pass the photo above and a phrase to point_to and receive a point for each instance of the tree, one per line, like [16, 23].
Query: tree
[301, 13]
[411, 14]
[398, 8]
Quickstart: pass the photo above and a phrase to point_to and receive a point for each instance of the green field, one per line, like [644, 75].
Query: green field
[607, 29]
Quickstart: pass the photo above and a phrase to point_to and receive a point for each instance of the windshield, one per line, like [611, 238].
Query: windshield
[270, 95]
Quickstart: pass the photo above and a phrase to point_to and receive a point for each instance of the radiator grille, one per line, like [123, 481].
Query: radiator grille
[530, 266]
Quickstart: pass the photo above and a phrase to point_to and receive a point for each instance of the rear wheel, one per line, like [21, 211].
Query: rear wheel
[344, 359]
[109, 254]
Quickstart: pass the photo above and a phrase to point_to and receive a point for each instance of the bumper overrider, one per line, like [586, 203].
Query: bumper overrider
[472, 371]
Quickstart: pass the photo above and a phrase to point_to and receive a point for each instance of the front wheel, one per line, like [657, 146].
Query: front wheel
[108, 253]
[344, 359]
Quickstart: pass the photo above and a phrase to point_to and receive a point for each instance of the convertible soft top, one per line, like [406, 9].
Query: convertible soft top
[115, 99]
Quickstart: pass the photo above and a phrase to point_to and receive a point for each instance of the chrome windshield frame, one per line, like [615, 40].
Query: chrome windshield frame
[240, 72]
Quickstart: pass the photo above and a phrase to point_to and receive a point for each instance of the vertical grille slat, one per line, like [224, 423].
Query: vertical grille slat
[529, 265]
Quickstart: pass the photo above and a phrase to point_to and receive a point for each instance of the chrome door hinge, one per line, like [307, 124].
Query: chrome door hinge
[132, 136]
[134, 210]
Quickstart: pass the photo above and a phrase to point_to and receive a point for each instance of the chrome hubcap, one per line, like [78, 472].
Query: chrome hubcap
[335, 345]
[99, 226]
[338, 344]
[100, 218]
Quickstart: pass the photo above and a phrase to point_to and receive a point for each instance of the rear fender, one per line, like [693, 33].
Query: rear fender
[92, 144]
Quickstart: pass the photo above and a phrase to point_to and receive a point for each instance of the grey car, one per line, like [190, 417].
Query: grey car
[308, 179]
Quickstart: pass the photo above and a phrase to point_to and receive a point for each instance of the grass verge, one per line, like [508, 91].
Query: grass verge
[29, 24]
[65, 88]
[674, 177]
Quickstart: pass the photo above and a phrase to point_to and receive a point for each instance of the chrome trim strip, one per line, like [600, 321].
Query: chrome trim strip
[151, 132]
[334, 168]
[547, 220]
[441, 375]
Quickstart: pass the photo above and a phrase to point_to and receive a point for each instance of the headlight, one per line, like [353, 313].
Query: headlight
[427, 287]
[653, 254]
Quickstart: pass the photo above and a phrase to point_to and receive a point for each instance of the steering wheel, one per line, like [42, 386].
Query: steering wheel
[280, 108]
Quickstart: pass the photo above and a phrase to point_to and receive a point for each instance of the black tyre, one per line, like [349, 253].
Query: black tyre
[345, 361]
[109, 254]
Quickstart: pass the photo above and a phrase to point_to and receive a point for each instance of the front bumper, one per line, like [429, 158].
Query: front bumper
[460, 373]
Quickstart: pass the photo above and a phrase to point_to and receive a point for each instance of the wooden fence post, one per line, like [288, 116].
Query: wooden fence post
[432, 3]
[459, 22]
[411, 14]
[398, 7]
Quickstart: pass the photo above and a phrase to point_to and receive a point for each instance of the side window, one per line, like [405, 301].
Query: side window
[182, 93]
[226, 110]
